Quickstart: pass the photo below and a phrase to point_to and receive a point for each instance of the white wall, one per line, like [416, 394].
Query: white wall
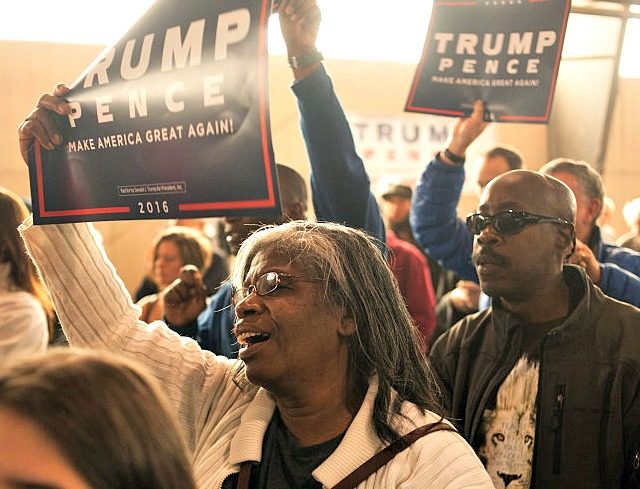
[30, 69]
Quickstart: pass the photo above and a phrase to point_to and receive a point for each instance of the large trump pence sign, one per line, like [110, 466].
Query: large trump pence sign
[503, 52]
[172, 121]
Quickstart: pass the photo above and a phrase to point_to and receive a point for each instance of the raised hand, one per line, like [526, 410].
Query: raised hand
[39, 125]
[299, 23]
[185, 298]
[468, 129]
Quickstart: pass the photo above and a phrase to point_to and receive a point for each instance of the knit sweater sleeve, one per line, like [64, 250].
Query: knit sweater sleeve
[96, 311]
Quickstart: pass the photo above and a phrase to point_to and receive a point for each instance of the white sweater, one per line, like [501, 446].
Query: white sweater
[224, 425]
[23, 322]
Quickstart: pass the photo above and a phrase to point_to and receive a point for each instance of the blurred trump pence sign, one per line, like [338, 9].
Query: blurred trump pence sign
[170, 122]
[503, 52]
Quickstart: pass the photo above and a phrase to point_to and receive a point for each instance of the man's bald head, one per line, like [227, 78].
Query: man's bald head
[539, 194]
[293, 190]
[293, 195]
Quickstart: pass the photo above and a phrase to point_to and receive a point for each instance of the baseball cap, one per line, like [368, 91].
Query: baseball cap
[396, 189]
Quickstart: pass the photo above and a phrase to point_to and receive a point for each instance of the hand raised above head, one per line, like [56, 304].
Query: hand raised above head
[185, 298]
[39, 125]
[299, 23]
[468, 129]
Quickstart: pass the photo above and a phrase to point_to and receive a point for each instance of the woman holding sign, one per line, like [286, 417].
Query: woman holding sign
[330, 390]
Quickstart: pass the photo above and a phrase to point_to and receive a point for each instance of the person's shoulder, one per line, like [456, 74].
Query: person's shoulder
[622, 313]
[470, 325]
[445, 452]
[20, 310]
[17, 297]
[405, 249]
[468, 334]
[621, 255]
[600, 304]
[616, 322]
[22, 302]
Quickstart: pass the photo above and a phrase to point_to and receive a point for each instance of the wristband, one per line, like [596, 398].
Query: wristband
[458, 160]
[309, 58]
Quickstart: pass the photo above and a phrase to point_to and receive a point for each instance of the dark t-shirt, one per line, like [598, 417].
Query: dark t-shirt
[285, 464]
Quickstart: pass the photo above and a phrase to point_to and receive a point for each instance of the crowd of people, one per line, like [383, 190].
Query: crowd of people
[391, 343]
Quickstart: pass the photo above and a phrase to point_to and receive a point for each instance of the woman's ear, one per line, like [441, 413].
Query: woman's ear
[347, 325]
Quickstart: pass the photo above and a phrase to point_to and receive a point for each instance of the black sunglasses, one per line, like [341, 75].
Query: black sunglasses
[509, 221]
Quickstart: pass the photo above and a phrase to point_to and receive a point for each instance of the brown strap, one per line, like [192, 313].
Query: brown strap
[370, 466]
[385, 455]
[245, 475]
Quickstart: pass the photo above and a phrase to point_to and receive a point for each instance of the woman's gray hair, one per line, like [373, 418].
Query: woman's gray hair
[357, 279]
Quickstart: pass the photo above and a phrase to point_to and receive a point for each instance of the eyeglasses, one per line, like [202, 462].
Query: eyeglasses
[266, 284]
[509, 221]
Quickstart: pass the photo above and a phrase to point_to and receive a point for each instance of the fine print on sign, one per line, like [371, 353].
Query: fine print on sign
[172, 121]
[503, 52]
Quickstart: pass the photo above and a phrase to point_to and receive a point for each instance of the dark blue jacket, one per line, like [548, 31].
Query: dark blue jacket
[445, 237]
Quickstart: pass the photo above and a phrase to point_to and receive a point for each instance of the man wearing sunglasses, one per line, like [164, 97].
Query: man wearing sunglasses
[434, 219]
[544, 383]
[439, 231]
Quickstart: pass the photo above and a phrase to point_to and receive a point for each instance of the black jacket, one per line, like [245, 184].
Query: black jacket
[588, 409]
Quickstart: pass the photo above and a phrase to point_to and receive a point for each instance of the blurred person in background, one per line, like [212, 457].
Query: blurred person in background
[631, 212]
[73, 419]
[395, 206]
[407, 262]
[218, 269]
[607, 231]
[173, 248]
[614, 269]
[26, 313]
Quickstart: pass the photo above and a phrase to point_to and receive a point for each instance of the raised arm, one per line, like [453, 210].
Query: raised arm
[620, 283]
[434, 219]
[339, 182]
[96, 311]
[620, 274]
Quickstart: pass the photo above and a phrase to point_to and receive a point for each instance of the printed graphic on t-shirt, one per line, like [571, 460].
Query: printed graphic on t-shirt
[509, 429]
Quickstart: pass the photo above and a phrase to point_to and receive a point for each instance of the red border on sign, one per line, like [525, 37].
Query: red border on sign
[269, 202]
[70, 212]
[456, 113]
[262, 102]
